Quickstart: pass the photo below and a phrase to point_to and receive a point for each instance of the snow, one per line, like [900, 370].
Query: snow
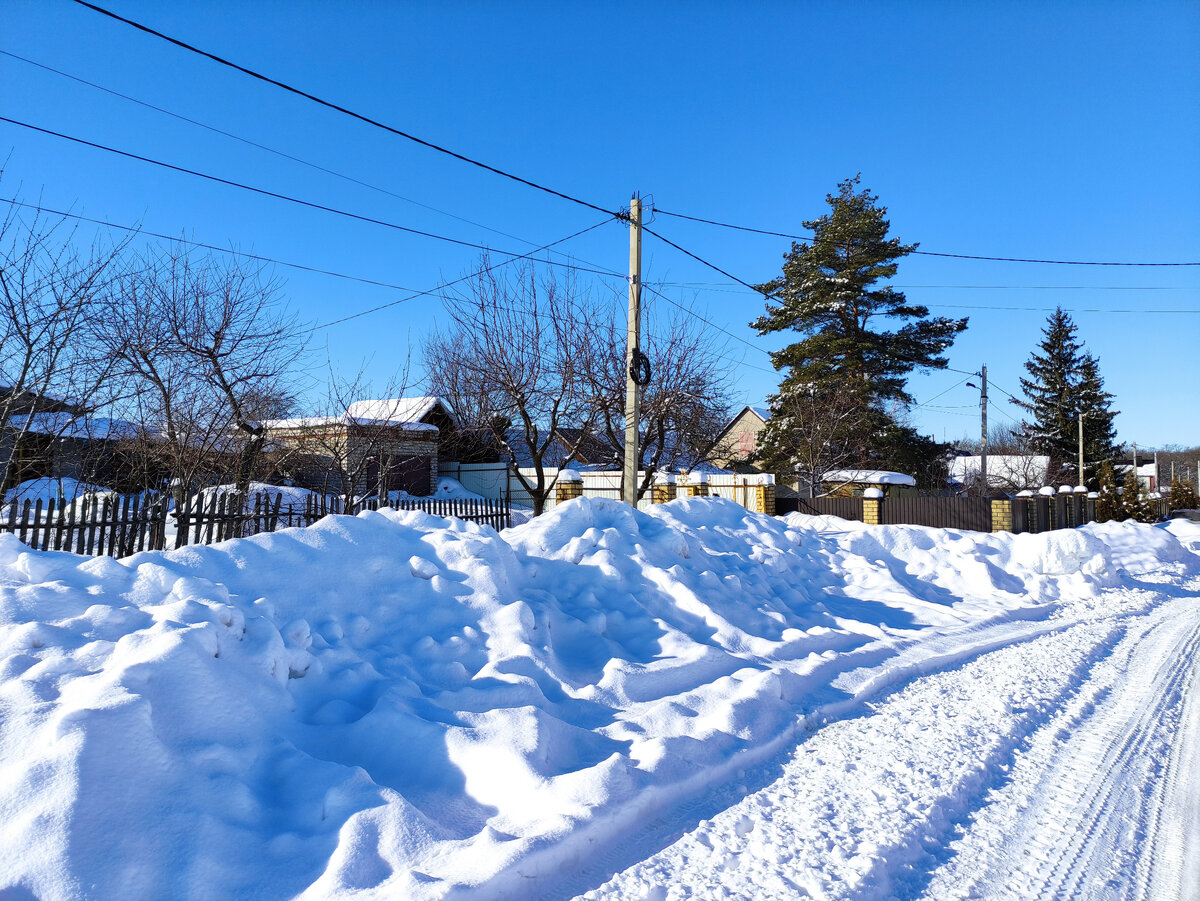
[46, 489]
[693, 701]
[400, 409]
[868, 477]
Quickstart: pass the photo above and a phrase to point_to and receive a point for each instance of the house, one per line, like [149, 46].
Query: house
[569, 448]
[853, 482]
[738, 441]
[45, 437]
[1005, 472]
[376, 446]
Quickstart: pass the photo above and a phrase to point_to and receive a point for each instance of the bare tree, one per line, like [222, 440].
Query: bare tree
[52, 295]
[212, 353]
[818, 426]
[685, 404]
[513, 359]
[337, 451]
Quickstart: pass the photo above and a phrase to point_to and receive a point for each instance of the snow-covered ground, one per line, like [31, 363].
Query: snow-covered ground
[695, 701]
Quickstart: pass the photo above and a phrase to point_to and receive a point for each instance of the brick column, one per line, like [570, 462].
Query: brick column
[1002, 514]
[696, 485]
[873, 507]
[663, 489]
[568, 487]
[764, 499]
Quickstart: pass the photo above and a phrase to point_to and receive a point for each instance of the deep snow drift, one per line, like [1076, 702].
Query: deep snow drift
[398, 706]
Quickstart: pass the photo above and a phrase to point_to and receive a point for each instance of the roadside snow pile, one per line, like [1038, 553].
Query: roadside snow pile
[400, 706]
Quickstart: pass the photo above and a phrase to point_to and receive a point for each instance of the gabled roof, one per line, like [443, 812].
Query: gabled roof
[763, 413]
[399, 409]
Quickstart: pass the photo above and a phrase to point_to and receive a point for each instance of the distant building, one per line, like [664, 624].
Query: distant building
[1009, 473]
[853, 482]
[738, 441]
[389, 445]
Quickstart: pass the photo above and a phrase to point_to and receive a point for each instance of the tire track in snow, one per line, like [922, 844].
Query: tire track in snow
[866, 801]
[1098, 804]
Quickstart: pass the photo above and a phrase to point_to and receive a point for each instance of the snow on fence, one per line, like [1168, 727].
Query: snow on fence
[497, 481]
[108, 525]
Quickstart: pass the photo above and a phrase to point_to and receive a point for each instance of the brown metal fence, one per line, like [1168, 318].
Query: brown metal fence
[940, 512]
[845, 507]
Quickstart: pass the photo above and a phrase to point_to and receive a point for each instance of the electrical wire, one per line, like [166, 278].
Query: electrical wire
[280, 153]
[176, 239]
[348, 112]
[275, 194]
[928, 253]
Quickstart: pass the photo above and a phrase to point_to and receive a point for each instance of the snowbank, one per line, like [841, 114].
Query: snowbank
[399, 706]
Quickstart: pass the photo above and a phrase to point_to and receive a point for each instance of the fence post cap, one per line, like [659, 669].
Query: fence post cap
[1025, 493]
[1079, 489]
[1065, 489]
[998, 496]
[664, 478]
[1047, 491]
[697, 478]
[569, 475]
[1092, 495]
[873, 493]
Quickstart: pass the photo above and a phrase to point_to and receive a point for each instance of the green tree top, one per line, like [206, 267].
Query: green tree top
[831, 292]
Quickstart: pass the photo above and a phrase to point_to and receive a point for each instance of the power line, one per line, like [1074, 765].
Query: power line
[268, 149]
[456, 281]
[699, 259]
[965, 306]
[348, 112]
[927, 253]
[265, 259]
[722, 286]
[278, 196]
[692, 312]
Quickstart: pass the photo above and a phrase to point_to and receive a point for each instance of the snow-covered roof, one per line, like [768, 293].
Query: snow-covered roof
[310, 422]
[868, 477]
[763, 413]
[398, 409]
[67, 425]
[1021, 470]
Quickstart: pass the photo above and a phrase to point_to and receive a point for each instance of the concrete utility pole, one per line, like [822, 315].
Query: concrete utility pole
[1080, 450]
[632, 354]
[983, 477]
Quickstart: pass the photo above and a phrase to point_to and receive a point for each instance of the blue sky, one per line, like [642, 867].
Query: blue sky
[1065, 131]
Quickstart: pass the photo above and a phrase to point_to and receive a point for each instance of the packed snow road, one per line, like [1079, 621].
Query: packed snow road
[1062, 766]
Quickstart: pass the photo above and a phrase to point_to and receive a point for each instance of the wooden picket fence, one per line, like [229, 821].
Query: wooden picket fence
[119, 526]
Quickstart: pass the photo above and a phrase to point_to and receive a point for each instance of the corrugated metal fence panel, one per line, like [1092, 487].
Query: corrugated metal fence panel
[844, 507]
[973, 513]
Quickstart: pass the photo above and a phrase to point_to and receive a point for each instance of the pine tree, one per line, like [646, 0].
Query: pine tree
[1064, 383]
[860, 338]
[1108, 502]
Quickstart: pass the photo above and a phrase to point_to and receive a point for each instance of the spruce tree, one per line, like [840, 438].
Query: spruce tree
[860, 338]
[1064, 382]
[1183, 495]
[1108, 502]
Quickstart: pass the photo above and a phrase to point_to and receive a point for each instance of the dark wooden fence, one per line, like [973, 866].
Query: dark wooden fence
[119, 526]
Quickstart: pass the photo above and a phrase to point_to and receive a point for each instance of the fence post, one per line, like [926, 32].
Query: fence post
[873, 506]
[568, 487]
[696, 485]
[663, 489]
[764, 495]
[1002, 513]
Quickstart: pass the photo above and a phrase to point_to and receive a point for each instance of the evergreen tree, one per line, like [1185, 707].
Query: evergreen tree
[860, 338]
[1064, 382]
[1183, 495]
[1108, 502]
[1135, 505]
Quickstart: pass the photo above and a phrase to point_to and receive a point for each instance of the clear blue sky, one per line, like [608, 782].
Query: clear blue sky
[1065, 131]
